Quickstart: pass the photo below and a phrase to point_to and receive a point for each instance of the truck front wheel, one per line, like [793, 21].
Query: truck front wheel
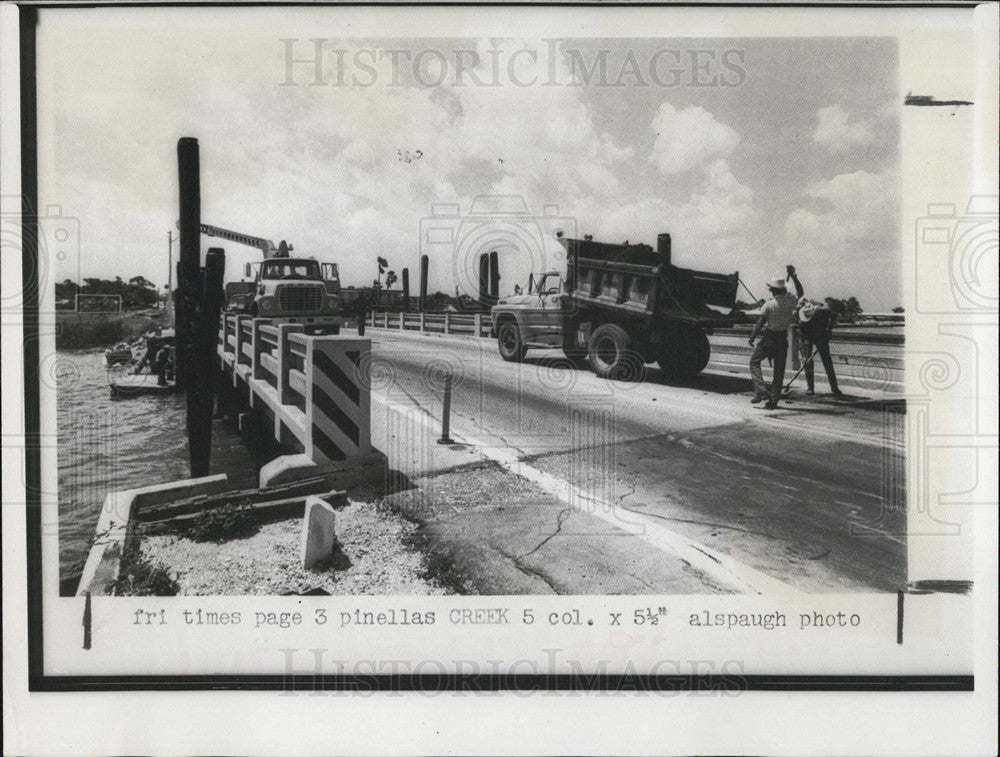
[609, 354]
[509, 341]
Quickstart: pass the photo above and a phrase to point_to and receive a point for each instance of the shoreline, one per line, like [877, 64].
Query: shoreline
[82, 331]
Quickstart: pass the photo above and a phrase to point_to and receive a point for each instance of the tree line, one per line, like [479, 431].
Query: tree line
[138, 292]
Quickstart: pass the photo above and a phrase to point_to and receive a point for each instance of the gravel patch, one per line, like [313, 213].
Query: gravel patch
[374, 559]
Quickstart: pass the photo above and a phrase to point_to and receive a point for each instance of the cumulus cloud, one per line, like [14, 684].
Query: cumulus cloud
[858, 213]
[323, 169]
[321, 165]
[556, 150]
[688, 138]
[837, 132]
[845, 237]
[709, 230]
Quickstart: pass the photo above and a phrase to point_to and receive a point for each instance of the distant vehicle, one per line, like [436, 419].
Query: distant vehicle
[98, 303]
[618, 307]
[287, 289]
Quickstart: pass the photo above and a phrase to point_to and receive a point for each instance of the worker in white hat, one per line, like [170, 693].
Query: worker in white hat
[776, 315]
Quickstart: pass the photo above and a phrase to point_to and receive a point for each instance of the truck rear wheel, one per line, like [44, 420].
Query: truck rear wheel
[686, 357]
[609, 354]
[509, 341]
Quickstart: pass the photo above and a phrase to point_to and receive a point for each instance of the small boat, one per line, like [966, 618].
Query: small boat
[120, 354]
[142, 385]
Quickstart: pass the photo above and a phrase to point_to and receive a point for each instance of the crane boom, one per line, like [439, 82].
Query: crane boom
[295, 290]
[266, 246]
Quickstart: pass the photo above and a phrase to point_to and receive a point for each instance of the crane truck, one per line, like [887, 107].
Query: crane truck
[618, 307]
[284, 288]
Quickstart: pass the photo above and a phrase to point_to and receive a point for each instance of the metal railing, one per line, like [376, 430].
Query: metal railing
[869, 361]
[462, 324]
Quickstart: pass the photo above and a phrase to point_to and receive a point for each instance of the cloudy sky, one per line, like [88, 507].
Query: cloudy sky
[752, 153]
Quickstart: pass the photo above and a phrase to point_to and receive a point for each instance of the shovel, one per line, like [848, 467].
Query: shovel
[788, 386]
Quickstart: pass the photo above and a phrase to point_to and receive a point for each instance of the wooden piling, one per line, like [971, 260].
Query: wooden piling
[200, 298]
[484, 279]
[423, 283]
[203, 379]
[494, 278]
[189, 264]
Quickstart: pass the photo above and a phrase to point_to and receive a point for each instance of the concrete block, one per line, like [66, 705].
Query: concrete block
[319, 537]
[342, 475]
[288, 468]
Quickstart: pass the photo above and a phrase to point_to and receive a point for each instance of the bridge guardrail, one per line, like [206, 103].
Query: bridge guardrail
[872, 362]
[311, 386]
[467, 324]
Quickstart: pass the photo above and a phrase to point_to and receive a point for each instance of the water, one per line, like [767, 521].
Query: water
[107, 445]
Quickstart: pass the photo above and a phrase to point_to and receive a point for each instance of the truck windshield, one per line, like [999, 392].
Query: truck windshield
[550, 283]
[291, 269]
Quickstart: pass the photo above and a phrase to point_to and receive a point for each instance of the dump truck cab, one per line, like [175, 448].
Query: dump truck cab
[537, 315]
[617, 308]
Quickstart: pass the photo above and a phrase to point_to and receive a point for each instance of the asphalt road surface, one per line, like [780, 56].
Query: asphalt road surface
[563, 482]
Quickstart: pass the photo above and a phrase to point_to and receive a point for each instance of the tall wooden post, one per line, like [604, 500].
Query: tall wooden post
[189, 266]
[203, 379]
[423, 283]
[494, 278]
[484, 279]
[170, 277]
[406, 290]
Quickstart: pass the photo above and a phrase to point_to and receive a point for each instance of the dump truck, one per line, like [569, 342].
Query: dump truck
[284, 288]
[618, 307]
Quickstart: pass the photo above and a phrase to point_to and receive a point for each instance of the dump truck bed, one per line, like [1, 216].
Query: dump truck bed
[639, 281]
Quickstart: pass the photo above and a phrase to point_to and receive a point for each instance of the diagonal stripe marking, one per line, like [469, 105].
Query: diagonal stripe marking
[329, 368]
[330, 409]
[326, 445]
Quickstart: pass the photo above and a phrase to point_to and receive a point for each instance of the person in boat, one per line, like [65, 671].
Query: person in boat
[164, 364]
[148, 357]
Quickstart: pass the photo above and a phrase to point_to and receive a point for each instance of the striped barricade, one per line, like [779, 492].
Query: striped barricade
[338, 402]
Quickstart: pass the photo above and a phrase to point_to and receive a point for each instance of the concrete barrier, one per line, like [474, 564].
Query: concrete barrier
[115, 535]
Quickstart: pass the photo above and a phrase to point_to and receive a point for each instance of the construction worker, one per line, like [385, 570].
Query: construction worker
[776, 315]
[171, 362]
[163, 364]
[815, 325]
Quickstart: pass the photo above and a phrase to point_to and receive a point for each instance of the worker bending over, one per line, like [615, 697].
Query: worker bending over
[816, 322]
